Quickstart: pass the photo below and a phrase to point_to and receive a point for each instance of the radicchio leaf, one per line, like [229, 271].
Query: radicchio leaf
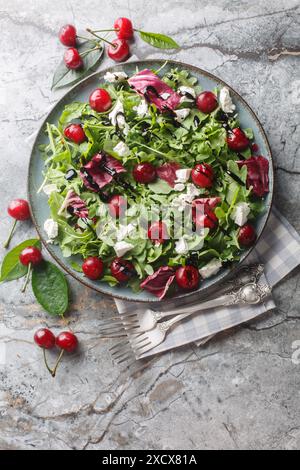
[74, 205]
[151, 87]
[159, 282]
[257, 174]
[167, 172]
[94, 175]
[207, 201]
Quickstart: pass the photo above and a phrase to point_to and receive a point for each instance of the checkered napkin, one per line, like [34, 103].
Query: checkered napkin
[278, 249]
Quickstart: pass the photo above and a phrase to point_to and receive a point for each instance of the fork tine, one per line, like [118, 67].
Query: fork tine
[114, 329]
[127, 346]
[119, 318]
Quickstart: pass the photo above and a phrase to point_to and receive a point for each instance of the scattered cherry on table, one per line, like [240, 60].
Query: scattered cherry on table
[44, 338]
[75, 133]
[203, 175]
[123, 28]
[67, 35]
[144, 173]
[187, 277]
[122, 269]
[18, 209]
[93, 268]
[30, 255]
[207, 102]
[118, 50]
[67, 341]
[72, 59]
[100, 100]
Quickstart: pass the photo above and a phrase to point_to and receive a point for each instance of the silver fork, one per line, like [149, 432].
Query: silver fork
[140, 320]
[139, 344]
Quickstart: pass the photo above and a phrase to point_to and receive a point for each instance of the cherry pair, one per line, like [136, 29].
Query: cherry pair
[65, 341]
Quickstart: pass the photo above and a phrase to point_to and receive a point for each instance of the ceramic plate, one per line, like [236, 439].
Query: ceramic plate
[80, 92]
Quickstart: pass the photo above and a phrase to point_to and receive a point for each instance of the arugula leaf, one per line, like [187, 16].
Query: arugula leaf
[50, 288]
[64, 76]
[161, 41]
[11, 267]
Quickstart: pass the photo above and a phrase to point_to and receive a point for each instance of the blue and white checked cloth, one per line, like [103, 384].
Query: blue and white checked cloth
[278, 249]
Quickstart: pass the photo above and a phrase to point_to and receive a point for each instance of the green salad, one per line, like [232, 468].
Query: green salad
[123, 168]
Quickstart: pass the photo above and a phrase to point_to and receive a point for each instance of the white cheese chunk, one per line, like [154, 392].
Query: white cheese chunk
[184, 199]
[115, 77]
[181, 246]
[179, 187]
[50, 188]
[181, 114]
[165, 96]
[122, 149]
[225, 101]
[240, 213]
[125, 231]
[186, 89]
[211, 268]
[116, 116]
[142, 109]
[183, 175]
[122, 247]
[51, 229]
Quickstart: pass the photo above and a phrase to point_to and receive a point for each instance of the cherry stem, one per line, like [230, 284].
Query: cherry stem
[102, 39]
[27, 278]
[104, 30]
[88, 51]
[53, 371]
[6, 244]
[46, 362]
[84, 38]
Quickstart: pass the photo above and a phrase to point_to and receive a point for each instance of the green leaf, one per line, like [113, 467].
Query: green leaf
[11, 267]
[64, 76]
[76, 266]
[160, 187]
[158, 40]
[50, 288]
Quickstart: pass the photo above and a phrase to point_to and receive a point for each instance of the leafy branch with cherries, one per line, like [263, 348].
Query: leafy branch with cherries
[49, 285]
[84, 53]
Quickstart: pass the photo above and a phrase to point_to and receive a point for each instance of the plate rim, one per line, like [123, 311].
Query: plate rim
[182, 296]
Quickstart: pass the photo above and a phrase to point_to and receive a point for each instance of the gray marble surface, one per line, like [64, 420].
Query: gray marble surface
[242, 389]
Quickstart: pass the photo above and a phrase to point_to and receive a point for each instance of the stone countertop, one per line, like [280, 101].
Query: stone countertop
[242, 389]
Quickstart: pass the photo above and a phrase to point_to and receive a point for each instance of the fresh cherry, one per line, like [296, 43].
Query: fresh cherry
[122, 269]
[75, 133]
[203, 175]
[93, 268]
[124, 28]
[204, 218]
[117, 206]
[237, 140]
[30, 255]
[67, 341]
[158, 232]
[187, 277]
[144, 173]
[246, 235]
[44, 338]
[100, 100]
[19, 209]
[73, 59]
[67, 35]
[207, 102]
[118, 50]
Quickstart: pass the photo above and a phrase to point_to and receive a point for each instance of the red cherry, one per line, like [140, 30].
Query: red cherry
[122, 269]
[75, 133]
[204, 217]
[187, 277]
[237, 140]
[119, 51]
[44, 338]
[117, 206]
[207, 102]
[30, 255]
[19, 209]
[72, 59]
[93, 268]
[124, 28]
[144, 173]
[100, 100]
[158, 232]
[203, 175]
[67, 341]
[246, 235]
[67, 35]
